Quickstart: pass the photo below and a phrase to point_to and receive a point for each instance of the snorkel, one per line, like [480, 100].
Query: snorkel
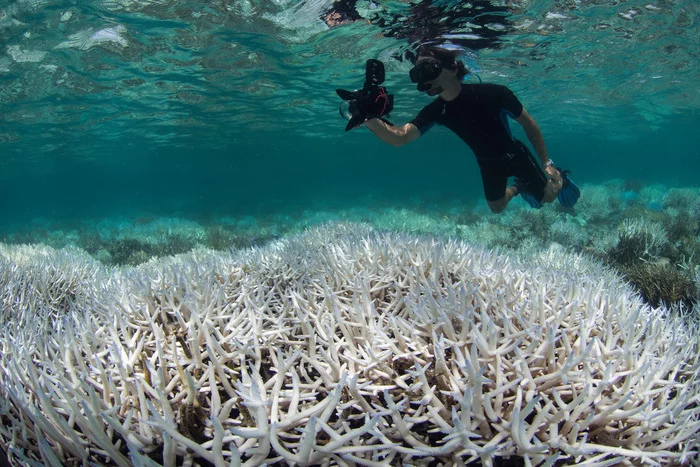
[470, 73]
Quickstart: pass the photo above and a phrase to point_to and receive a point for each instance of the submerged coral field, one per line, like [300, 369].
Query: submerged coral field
[649, 234]
[340, 346]
[417, 336]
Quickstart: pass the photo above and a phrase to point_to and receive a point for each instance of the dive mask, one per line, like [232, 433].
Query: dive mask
[426, 69]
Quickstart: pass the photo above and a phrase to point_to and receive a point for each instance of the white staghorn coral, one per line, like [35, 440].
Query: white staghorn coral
[341, 346]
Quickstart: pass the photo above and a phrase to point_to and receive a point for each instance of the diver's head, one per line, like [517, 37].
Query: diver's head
[436, 68]
[425, 72]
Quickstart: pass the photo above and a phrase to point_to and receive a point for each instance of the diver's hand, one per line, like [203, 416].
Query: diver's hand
[376, 102]
[554, 176]
[371, 102]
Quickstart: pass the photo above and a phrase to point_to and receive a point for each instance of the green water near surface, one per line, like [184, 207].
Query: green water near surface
[228, 108]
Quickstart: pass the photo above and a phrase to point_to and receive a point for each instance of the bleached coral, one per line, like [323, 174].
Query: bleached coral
[639, 240]
[601, 203]
[567, 231]
[40, 284]
[345, 346]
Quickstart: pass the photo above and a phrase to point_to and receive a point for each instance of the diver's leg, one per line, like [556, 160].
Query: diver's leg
[499, 205]
[531, 176]
[495, 180]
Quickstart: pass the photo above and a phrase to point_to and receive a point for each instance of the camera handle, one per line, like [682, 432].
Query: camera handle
[374, 73]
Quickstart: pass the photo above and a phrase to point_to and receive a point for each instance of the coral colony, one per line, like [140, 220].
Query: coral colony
[340, 346]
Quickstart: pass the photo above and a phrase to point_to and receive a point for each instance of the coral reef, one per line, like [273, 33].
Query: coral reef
[625, 224]
[639, 240]
[643, 254]
[340, 346]
[661, 284]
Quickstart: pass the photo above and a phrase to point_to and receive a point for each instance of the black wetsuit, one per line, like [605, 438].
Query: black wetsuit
[479, 116]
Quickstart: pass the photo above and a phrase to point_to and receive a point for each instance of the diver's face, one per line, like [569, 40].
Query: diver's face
[426, 73]
[431, 76]
[437, 85]
[434, 85]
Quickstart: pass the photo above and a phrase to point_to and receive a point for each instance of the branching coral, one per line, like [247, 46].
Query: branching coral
[41, 285]
[568, 232]
[663, 285]
[638, 240]
[642, 253]
[344, 346]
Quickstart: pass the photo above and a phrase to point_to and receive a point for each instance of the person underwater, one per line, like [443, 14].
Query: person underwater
[478, 114]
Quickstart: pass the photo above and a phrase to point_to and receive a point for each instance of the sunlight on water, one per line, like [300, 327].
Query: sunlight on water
[133, 85]
[236, 63]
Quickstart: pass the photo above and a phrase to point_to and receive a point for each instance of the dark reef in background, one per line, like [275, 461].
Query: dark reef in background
[661, 284]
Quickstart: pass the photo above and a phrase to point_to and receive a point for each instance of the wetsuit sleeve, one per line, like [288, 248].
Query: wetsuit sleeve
[509, 102]
[427, 117]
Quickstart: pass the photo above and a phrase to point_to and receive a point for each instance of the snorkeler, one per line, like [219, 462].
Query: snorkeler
[477, 114]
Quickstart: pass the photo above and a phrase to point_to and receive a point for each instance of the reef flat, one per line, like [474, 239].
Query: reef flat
[341, 345]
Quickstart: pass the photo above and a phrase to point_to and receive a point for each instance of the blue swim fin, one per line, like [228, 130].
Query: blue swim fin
[526, 195]
[570, 193]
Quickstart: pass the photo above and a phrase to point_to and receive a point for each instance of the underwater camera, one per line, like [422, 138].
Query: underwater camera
[372, 101]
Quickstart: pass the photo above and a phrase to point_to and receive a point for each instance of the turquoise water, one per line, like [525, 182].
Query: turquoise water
[119, 113]
[132, 131]
[120, 107]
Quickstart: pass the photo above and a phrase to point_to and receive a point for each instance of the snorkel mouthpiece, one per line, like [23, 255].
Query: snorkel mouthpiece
[422, 87]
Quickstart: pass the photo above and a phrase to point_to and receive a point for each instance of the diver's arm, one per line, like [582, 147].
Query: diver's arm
[394, 135]
[532, 130]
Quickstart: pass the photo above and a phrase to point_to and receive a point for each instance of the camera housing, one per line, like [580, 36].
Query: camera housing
[372, 101]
